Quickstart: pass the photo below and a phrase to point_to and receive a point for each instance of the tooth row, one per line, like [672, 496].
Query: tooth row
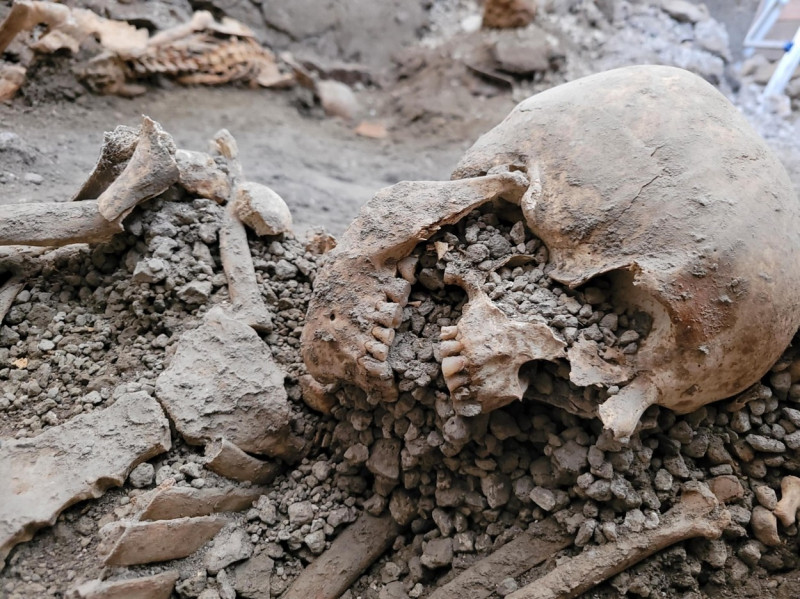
[375, 368]
[388, 314]
[398, 290]
[383, 335]
[448, 333]
[407, 268]
[450, 348]
[452, 365]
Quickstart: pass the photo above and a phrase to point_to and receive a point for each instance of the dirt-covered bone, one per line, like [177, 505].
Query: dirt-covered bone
[646, 176]
[697, 514]
[786, 510]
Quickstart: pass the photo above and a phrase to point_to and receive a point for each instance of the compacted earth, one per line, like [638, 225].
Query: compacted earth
[102, 324]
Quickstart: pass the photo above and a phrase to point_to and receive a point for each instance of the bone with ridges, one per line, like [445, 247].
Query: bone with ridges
[697, 514]
[786, 510]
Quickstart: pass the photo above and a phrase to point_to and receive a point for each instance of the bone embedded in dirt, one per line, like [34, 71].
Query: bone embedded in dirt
[226, 459]
[786, 510]
[75, 461]
[131, 543]
[158, 586]
[697, 514]
[118, 147]
[186, 502]
[55, 224]
[224, 382]
[261, 209]
[350, 554]
[199, 173]
[765, 526]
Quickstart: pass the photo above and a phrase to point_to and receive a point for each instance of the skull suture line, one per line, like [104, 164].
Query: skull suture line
[646, 175]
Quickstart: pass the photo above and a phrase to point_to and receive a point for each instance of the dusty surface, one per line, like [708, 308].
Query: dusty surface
[83, 333]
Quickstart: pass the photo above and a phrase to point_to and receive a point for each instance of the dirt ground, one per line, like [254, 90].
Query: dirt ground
[436, 83]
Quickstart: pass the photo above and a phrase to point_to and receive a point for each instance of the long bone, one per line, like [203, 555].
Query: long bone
[358, 297]
[697, 514]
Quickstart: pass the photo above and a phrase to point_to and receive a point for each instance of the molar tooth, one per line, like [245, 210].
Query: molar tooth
[378, 349]
[453, 364]
[374, 368]
[389, 314]
[383, 335]
[448, 333]
[450, 348]
[455, 381]
[398, 291]
[407, 268]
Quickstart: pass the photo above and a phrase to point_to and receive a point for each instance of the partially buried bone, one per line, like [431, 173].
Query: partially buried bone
[786, 510]
[665, 190]
[697, 514]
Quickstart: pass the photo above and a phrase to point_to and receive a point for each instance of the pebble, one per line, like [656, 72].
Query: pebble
[142, 476]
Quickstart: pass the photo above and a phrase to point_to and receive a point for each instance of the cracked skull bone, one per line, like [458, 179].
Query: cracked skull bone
[645, 175]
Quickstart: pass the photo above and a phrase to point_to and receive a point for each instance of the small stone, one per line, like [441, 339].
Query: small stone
[506, 586]
[315, 541]
[765, 526]
[228, 548]
[766, 496]
[437, 553]
[33, 178]
[726, 488]
[195, 292]
[142, 476]
[393, 590]
[496, 487]
[663, 480]
[765, 444]
[684, 11]
[634, 520]
[150, 271]
[544, 498]
[301, 513]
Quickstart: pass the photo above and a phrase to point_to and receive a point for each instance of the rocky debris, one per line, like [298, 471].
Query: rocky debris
[263, 210]
[185, 502]
[684, 11]
[765, 526]
[74, 461]
[201, 174]
[354, 550]
[252, 578]
[508, 14]
[127, 543]
[157, 586]
[226, 459]
[223, 382]
[142, 475]
[228, 547]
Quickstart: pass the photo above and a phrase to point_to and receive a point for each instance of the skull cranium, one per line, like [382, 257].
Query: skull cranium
[645, 175]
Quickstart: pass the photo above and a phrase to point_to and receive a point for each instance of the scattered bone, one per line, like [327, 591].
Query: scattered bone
[118, 147]
[55, 224]
[12, 76]
[539, 543]
[198, 173]
[786, 510]
[75, 461]
[227, 460]
[765, 526]
[337, 99]
[149, 172]
[187, 502]
[8, 293]
[223, 382]
[371, 130]
[158, 586]
[134, 543]
[261, 209]
[234, 250]
[697, 514]
[350, 554]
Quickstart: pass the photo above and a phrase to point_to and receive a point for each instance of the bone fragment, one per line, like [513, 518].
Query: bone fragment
[234, 250]
[227, 460]
[75, 461]
[786, 510]
[261, 209]
[697, 514]
[19, 18]
[150, 172]
[8, 292]
[621, 413]
[199, 174]
[539, 543]
[159, 540]
[350, 554]
[315, 395]
[55, 224]
[187, 502]
[12, 76]
[118, 147]
[765, 526]
[158, 586]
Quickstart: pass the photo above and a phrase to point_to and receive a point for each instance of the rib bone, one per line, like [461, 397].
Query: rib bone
[697, 514]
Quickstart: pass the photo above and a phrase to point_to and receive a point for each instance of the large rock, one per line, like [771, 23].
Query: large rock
[223, 382]
[77, 460]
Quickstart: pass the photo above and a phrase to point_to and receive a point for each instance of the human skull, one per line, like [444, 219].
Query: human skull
[646, 175]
